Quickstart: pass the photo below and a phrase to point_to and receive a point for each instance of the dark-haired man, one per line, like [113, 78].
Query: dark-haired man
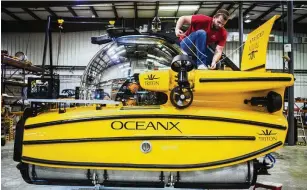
[203, 31]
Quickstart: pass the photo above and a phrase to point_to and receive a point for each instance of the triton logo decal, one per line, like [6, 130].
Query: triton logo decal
[143, 125]
[151, 80]
[268, 135]
[252, 55]
[151, 77]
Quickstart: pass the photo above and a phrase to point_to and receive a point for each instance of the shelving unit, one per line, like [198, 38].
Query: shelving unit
[15, 83]
[7, 80]
[14, 62]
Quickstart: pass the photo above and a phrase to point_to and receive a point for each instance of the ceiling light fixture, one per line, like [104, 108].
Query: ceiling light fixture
[168, 8]
[188, 7]
[96, 5]
[248, 21]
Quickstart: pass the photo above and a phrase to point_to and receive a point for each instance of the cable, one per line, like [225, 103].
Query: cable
[231, 52]
[193, 51]
[195, 54]
[194, 45]
[60, 22]
[59, 48]
[204, 54]
[272, 160]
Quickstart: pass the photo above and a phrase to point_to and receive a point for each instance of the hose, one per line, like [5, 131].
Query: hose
[271, 159]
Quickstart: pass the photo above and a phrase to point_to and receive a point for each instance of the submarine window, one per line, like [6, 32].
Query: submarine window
[114, 67]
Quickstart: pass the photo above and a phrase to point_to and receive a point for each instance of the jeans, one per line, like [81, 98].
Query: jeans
[198, 38]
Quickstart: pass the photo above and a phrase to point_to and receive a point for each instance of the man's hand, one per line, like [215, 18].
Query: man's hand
[213, 66]
[179, 32]
[181, 21]
[217, 55]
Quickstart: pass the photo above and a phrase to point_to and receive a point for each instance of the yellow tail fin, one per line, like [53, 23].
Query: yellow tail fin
[254, 53]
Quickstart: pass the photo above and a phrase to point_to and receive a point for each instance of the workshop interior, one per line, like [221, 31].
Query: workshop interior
[109, 94]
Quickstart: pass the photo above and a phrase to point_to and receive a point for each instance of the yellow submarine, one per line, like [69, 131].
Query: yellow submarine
[208, 133]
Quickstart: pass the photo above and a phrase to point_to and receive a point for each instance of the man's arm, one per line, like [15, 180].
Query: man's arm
[217, 55]
[181, 21]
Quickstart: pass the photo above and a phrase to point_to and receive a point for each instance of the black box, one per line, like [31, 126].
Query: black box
[43, 88]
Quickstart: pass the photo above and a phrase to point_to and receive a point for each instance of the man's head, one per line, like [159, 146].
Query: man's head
[220, 19]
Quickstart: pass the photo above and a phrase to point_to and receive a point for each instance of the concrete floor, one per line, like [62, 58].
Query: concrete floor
[290, 170]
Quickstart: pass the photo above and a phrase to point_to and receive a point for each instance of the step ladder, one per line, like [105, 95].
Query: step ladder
[298, 114]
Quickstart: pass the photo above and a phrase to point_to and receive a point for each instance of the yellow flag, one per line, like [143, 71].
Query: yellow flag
[254, 53]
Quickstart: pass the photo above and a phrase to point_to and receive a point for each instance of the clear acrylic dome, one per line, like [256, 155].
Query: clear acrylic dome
[113, 71]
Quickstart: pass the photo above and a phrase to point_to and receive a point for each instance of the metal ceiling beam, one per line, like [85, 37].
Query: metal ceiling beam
[35, 4]
[51, 11]
[230, 6]
[249, 9]
[201, 4]
[269, 3]
[157, 9]
[217, 8]
[10, 14]
[114, 10]
[94, 11]
[298, 2]
[135, 10]
[84, 20]
[72, 11]
[179, 3]
[285, 13]
[31, 13]
[266, 12]
[73, 25]
[300, 18]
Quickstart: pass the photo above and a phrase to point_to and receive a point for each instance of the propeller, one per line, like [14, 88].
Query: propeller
[181, 97]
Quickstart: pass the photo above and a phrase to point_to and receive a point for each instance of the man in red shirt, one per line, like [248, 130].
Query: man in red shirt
[203, 31]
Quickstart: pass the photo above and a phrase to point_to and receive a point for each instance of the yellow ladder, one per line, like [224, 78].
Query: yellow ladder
[299, 116]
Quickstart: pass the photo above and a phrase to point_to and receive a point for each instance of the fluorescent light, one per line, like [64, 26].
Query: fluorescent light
[168, 8]
[96, 5]
[151, 56]
[248, 21]
[188, 7]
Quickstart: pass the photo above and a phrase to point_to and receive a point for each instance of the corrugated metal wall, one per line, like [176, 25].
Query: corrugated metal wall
[275, 61]
[274, 53]
[76, 49]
